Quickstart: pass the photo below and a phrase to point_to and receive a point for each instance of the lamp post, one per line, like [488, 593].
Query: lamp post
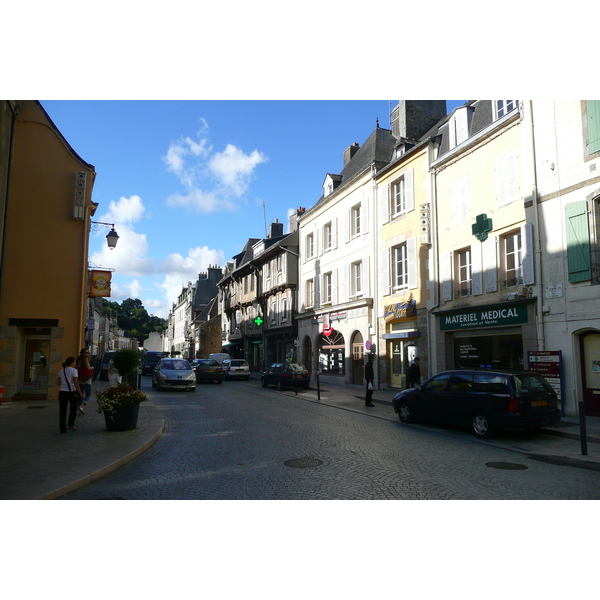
[112, 237]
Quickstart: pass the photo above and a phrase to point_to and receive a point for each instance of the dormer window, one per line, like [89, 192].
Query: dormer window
[458, 126]
[330, 184]
[503, 107]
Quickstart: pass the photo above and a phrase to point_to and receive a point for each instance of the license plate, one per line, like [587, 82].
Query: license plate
[210, 370]
[298, 376]
[539, 403]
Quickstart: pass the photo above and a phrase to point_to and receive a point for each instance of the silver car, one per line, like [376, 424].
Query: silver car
[174, 374]
[236, 368]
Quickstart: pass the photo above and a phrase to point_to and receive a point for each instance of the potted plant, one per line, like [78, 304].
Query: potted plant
[120, 406]
[127, 361]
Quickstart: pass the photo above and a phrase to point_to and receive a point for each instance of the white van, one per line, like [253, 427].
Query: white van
[219, 357]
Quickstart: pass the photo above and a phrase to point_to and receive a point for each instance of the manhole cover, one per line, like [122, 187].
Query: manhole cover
[303, 463]
[506, 466]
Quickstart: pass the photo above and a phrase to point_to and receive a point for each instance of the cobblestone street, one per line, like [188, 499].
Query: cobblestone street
[233, 442]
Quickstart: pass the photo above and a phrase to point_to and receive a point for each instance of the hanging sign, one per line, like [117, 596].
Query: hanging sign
[100, 284]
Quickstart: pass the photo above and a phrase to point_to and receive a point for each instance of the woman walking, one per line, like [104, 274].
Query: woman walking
[68, 395]
[85, 374]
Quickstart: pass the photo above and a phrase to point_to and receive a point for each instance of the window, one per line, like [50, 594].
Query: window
[284, 310]
[327, 241]
[310, 246]
[458, 126]
[578, 241]
[355, 220]
[356, 274]
[273, 312]
[268, 267]
[463, 264]
[279, 263]
[245, 285]
[399, 197]
[513, 259]
[310, 293]
[503, 107]
[400, 267]
[327, 287]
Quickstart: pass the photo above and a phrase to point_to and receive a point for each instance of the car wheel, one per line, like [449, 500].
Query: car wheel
[263, 382]
[405, 413]
[153, 383]
[481, 426]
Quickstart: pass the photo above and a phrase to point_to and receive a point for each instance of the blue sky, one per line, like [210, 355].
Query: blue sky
[184, 182]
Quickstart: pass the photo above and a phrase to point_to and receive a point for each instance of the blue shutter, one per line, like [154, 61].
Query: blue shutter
[578, 242]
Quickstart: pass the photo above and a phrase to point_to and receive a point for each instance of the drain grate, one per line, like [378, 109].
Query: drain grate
[303, 463]
[506, 466]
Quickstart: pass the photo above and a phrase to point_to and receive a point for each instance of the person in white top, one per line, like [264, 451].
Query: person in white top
[69, 394]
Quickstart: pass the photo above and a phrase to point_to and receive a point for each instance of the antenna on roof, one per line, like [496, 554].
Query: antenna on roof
[265, 213]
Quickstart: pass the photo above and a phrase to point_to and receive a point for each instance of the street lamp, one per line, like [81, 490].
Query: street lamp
[112, 237]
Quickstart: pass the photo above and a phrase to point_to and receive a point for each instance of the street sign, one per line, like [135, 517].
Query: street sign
[367, 345]
[548, 363]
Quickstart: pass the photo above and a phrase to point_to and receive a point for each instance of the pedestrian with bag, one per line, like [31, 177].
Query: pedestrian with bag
[85, 375]
[69, 394]
[369, 376]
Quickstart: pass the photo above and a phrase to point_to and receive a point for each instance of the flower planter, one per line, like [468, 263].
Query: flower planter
[124, 419]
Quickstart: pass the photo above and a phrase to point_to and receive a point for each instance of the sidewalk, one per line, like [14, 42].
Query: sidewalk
[40, 463]
[560, 444]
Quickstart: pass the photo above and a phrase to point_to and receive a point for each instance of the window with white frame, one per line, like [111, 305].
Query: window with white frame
[355, 220]
[273, 311]
[356, 274]
[268, 269]
[327, 287]
[246, 284]
[503, 107]
[400, 267]
[310, 293]
[464, 271]
[327, 239]
[279, 263]
[284, 310]
[513, 259]
[310, 246]
[398, 197]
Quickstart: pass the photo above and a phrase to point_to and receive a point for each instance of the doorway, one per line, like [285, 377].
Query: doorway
[33, 365]
[590, 372]
[358, 361]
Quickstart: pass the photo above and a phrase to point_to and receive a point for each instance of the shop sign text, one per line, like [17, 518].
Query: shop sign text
[484, 318]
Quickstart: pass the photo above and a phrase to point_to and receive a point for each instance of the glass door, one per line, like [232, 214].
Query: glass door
[35, 366]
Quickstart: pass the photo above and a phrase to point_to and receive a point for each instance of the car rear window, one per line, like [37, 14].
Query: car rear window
[208, 363]
[238, 363]
[531, 383]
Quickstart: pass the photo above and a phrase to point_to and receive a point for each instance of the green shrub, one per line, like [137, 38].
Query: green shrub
[126, 360]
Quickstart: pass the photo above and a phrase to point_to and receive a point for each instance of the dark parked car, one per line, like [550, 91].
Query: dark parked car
[104, 368]
[208, 369]
[173, 373]
[286, 375]
[483, 400]
[150, 361]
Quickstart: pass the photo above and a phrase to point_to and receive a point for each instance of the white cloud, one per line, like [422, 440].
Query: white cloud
[213, 180]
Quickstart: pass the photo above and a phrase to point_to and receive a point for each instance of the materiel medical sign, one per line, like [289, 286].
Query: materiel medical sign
[488, 317]
[100, 284]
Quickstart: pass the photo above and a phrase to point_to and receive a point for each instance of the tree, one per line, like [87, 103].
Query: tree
[133, 318]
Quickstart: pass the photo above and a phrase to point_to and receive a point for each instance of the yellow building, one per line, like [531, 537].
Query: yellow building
[403, 255]
[44, 260]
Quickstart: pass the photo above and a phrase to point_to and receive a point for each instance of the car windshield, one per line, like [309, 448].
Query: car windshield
[175, 365]
[208, 363]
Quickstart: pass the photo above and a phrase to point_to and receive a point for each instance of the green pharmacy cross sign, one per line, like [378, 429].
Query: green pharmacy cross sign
[258, 321]
[481, 227]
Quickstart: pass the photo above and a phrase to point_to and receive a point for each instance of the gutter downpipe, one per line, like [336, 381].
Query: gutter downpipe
[537, 237]
[434, 258]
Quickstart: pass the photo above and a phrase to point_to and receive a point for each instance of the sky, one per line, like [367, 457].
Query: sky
[187, 182]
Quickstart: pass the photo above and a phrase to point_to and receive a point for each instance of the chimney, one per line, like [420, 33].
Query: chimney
[414, 118]
[350, 152]
[294, 218]
[276, 229]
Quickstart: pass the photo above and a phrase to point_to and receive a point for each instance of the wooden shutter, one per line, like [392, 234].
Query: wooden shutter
[384, 280]
[507, 189]
[476, 272]
[491, 264]
[385, 202]
[411, 252]
[593, 118]
[409, 190]
[447, 276]
[366, 277]
[527, 256]
[578, 241]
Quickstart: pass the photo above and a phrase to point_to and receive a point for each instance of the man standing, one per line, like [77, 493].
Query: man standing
[413, 378]
[369, 376]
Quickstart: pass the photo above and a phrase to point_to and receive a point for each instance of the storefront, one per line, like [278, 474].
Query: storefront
[495, 336]
[402, 340]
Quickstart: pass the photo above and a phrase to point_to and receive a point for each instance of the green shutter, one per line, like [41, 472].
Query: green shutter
[593, 116]
[578, 242]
